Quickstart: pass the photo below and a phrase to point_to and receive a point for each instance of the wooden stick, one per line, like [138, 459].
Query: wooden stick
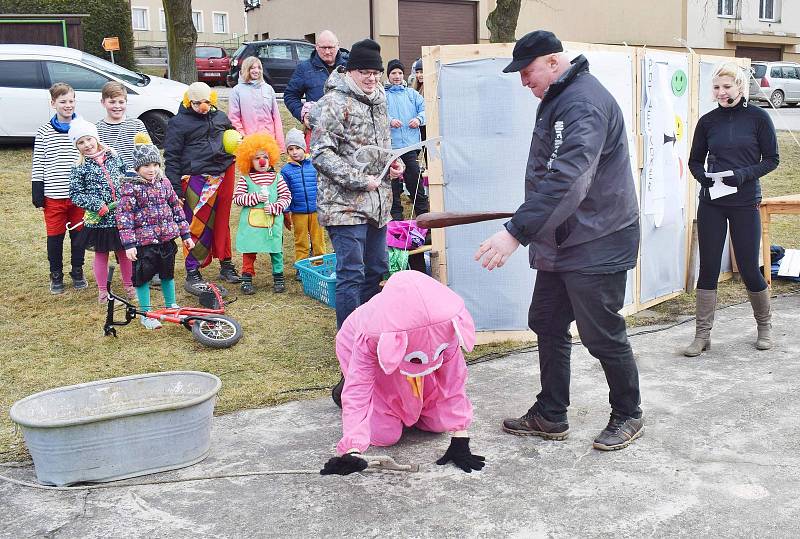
[441, 219]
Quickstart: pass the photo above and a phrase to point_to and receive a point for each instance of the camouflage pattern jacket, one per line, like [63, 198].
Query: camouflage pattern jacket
[342, 122]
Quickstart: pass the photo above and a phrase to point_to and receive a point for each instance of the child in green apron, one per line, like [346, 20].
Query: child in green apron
[263, 196]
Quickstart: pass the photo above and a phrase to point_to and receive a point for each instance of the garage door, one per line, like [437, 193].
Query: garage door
[435, 22]
[760, 53]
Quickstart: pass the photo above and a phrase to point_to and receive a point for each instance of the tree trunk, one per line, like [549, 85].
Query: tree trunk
[502, 22]
[181, 40]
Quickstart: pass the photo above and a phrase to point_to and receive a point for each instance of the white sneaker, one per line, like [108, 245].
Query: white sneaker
[150, 323]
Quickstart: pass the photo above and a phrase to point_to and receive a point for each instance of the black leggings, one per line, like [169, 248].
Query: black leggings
[745, 226]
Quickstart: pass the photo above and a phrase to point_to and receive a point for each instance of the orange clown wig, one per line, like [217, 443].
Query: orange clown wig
[251, 145]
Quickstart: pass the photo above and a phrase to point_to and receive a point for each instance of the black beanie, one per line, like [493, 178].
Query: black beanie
[395, 64]
[365, 54]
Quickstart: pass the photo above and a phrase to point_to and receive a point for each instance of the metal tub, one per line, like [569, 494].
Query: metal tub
[118, 428]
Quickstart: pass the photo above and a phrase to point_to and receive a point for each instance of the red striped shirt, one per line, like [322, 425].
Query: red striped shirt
[263, 179]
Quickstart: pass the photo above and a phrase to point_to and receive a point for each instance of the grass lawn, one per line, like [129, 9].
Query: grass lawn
[287, 350]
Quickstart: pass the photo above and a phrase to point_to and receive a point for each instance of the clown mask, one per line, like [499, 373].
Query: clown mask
[261, 161]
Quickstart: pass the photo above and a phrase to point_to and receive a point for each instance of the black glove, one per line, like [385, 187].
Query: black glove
[734, 181]
[344, 465]
[461, 456]
[38, 194]
[706, 182]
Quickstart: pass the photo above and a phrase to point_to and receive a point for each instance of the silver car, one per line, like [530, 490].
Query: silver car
[778, 82]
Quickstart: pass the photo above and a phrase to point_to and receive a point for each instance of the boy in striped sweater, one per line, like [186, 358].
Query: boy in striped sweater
[116, 130]
[53, 157]
[263, 197]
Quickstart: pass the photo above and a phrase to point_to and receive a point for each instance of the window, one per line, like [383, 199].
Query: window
[209, 52]
[775, 72]
[278, 51]
[197, 19]
[759, 70]
[140, 16]
[162, 20]
[78, 77]
[789, 73]
[769, 10]
[304, 52]
[727, 8]
[220, 22]
[21, 74]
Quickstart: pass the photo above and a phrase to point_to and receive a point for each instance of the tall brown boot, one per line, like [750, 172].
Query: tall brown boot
[763, 316]
[704, 319]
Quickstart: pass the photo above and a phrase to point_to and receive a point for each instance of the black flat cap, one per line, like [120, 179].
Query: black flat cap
[531, 46]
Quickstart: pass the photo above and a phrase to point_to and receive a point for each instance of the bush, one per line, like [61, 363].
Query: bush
[106, 18]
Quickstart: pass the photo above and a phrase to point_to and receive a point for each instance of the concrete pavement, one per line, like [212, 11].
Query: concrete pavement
[785, 118]
[718, 458]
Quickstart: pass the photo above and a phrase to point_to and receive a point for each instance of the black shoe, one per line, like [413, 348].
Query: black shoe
[227, 272]
[56, 282]
[278, 283]
[248, 289]
[336, 392]
[78, 280]
[195, 284]
[619, 433]
[532, 424]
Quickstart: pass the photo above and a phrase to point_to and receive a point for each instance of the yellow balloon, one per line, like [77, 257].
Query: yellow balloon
[230, 140]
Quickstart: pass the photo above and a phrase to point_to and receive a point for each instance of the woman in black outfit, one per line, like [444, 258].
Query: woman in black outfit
[741, 139]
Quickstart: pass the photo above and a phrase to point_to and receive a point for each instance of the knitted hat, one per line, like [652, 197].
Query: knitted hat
[417, 65]
[199, 91]
[295, 138]
[80, 128]
[144, 151]
[395, 64]
[365, 54]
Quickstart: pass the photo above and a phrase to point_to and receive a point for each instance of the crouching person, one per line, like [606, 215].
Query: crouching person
[403, 366]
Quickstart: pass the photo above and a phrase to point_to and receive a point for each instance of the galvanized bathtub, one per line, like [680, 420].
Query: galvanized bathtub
[118, 428]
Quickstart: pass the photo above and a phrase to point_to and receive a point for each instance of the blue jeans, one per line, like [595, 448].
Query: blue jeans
[361, 262]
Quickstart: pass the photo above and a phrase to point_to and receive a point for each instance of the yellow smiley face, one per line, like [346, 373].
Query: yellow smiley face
[678, 128]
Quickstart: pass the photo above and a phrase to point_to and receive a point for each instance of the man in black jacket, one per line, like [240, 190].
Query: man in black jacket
[202, 174]
[581, 220]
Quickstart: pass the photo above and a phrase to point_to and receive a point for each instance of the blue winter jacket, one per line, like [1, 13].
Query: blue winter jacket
[308, 80]
[301, 178]
[404, 104]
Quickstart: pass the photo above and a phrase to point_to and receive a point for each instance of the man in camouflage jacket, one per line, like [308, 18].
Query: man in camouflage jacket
[354, 205]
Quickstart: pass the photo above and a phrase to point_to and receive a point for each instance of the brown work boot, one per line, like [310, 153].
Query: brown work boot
[532, 424]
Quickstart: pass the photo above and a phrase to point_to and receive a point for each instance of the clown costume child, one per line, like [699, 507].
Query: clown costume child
[263, 197]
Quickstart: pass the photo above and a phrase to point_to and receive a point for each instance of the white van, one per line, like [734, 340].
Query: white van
[28, 71]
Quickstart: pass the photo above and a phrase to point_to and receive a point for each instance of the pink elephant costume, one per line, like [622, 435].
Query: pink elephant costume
[401, 357]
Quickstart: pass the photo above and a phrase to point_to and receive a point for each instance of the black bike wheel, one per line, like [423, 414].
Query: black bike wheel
[223, 332]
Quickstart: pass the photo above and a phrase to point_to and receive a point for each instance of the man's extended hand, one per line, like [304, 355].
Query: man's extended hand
[495, 250]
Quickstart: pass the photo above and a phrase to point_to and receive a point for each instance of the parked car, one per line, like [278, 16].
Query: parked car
[213, 64]
[278, 56]
[778, 82]
[28, 71]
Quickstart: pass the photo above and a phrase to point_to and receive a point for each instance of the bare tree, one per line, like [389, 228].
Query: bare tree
[502, 22]
[181, 39]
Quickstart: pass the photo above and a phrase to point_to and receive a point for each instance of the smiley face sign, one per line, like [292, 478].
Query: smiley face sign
[679, 82]
[678, 128]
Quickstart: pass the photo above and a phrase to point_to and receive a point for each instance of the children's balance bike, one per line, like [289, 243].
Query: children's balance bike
[208, 324]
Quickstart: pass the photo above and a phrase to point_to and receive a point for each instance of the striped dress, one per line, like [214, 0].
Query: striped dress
[53, 157]
[120, 137]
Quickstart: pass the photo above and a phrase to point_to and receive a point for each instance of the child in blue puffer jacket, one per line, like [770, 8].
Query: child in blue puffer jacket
[301, 177]
[406, 116]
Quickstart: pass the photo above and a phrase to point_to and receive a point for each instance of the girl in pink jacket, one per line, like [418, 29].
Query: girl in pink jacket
[253, 105]
[402, 362]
